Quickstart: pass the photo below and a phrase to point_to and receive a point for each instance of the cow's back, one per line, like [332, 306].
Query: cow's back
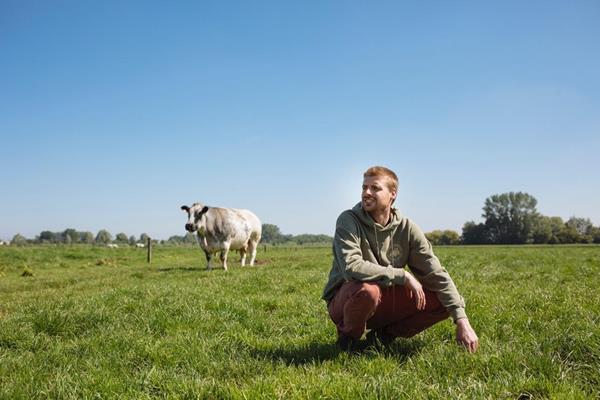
[231, 225]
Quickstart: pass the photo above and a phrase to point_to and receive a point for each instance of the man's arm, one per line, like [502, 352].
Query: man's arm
[435, 278]
[428, 270]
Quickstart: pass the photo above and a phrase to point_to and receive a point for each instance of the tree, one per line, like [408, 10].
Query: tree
[446, 237]
[121, 238]
[132, 240]
[18, 240]
[510, 217]
[103, 237]
[596, 234]
[271, 234]
[70, 235]
[144, 238]
[434, 236]
[46, 237]
[473, 233]
[568, 234]
[175, 240]
[557, 224]
[449, 237]
[307, 238]
[583, 227]
[87, 237]
[547, 230]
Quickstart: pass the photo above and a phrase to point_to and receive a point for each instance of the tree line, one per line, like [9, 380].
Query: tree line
[271, 235]
[512, 218]
[73, 236]
[509, 218]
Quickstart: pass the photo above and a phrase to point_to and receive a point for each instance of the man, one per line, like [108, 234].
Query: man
[368, 288]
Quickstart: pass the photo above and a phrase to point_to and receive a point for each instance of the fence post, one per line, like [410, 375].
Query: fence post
[149, 257]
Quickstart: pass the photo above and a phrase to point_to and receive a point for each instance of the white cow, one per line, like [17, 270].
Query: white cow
[112, 246]
[222, 229]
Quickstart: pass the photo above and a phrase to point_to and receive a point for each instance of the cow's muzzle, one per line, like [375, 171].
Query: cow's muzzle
[190, 227]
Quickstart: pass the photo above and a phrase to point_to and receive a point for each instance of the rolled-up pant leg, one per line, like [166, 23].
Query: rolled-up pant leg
[360, 305]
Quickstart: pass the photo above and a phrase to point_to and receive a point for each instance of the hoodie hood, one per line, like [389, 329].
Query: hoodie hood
[366, 219]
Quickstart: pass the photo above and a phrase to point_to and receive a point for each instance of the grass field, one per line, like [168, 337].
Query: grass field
[98, 323]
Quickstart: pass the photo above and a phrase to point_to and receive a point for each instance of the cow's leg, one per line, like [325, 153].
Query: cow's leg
[252, 245]
[224, 253]
[243, 254]
[208, 260]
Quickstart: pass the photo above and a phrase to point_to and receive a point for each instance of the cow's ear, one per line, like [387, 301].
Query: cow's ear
[185, 208]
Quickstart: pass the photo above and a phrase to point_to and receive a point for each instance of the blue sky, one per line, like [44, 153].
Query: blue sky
[113, 114]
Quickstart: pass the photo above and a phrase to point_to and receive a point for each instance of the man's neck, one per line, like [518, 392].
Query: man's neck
[381, 217]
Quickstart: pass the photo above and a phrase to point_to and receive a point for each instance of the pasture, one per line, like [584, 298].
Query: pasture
[93, 323]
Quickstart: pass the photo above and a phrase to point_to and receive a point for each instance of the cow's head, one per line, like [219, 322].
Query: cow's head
[195, 213]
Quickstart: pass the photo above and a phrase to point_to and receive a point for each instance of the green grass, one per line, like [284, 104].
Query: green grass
[89, 322]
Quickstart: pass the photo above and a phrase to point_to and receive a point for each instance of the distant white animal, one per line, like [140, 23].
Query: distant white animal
[3, 243]
[139, 245]
[112, 246]
[222, 229]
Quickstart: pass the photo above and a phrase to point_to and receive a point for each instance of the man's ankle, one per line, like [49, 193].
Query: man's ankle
[378, 338]
[349, 344]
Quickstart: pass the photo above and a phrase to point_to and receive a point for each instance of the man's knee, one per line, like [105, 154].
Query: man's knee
[354, 297]
[370, 292]
[367, 296]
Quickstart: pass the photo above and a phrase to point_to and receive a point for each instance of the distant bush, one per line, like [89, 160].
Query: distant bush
[447, 237]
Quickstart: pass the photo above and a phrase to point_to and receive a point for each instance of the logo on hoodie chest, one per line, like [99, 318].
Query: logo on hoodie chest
[396, 254]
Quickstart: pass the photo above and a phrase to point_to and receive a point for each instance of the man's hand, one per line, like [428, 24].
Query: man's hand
[466, 336]
[414, 290]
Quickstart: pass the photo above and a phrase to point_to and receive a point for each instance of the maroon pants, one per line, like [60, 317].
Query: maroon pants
[361, 305]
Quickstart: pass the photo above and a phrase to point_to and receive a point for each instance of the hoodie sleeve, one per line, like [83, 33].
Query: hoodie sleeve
[428, 270]
[351, 260]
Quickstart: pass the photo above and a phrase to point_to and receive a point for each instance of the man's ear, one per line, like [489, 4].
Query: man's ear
[185, 208]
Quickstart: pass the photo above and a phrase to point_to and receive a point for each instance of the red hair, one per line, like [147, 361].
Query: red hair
[392, 179]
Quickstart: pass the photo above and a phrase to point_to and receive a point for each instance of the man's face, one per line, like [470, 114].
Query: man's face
[376, 195]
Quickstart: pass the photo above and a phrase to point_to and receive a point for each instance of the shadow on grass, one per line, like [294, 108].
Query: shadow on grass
[300, 355]
[402, 349]
[199, 269]
[182, 269]
[315, 353]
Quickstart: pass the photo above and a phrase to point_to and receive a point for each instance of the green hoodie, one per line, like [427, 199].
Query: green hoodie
[366, 251]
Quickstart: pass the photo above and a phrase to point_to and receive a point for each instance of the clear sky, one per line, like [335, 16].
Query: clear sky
[115, 113]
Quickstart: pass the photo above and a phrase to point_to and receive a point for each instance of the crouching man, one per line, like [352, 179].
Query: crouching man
[368, 288]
